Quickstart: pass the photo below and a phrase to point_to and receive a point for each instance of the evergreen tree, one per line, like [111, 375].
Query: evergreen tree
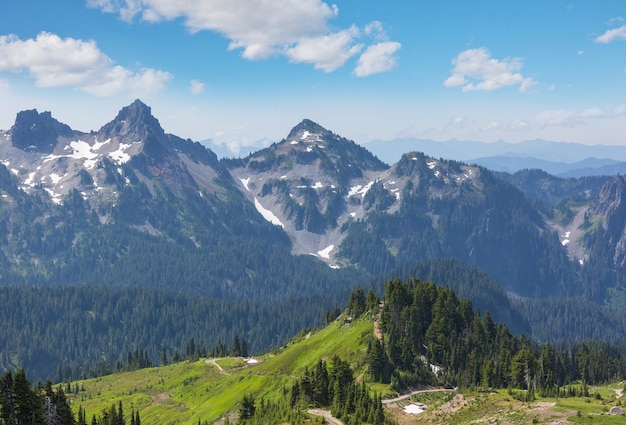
[163, 356]
[247, 407]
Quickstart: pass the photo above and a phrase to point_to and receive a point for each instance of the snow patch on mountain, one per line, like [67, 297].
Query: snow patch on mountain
[566, 239]
[120, 156]
[56, 197]
[55, 178]
[359, 189]
[267, 214]
[245, 183]
[325, 253]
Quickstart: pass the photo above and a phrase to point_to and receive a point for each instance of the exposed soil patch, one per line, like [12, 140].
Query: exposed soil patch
[161, 398]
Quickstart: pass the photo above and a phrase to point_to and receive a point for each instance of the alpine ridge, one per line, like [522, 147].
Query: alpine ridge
[332, 198]
[308, 218]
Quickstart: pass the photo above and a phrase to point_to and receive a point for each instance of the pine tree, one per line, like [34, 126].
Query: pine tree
[236, 348]
[244, 347]
[163, 356]
[247, 407]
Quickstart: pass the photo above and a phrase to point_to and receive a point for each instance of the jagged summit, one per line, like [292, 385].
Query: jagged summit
[307, 125]
[133, 123]
[38, 131]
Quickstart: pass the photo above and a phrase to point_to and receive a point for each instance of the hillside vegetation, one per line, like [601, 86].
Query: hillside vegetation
[206, 390]
[423, 337]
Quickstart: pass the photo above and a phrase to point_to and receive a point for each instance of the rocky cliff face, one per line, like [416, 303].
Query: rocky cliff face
[38, 132]
[609, 210]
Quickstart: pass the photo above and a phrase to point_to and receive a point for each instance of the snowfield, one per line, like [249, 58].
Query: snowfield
[267, 214]
[325, 253]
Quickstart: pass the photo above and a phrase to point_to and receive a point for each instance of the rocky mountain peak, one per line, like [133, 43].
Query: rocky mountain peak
[307, 125]
[37, 131]
[133, 123]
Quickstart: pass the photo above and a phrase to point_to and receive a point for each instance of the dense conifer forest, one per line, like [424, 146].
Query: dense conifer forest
[433, 336]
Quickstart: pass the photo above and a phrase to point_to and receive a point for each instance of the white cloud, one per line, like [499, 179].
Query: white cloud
[612, 35]
[297, 29]
[327, 52]
[196, 87]
[491, 125]
[474, 69]
[56, 62]
[519, 124]
[377, 58]
[4, 84]
[457, 122]
[564, 118]
[256, 26]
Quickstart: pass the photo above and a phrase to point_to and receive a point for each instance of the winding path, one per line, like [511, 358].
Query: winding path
[412, 393]
[214, 363]
[326, 414]
[334, 421]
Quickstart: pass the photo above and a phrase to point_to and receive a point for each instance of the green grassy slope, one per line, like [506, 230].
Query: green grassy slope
[186, 392]
[208, 389]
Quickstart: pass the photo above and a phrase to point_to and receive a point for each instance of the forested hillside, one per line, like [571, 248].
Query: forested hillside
[421, 320]
[421, 335]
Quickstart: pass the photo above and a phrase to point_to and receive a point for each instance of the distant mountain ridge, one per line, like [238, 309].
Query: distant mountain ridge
[563, 159]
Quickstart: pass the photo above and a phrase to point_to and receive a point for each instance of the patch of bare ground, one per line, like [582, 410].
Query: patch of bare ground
[330, 419]
[232, 418]
[160, 398]
[457, 403]
[480, 409]
[377, 331]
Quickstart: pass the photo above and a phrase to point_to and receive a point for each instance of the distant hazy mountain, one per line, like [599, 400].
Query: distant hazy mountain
[586, 167]
[559, 158]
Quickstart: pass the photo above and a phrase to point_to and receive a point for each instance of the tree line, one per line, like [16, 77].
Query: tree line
[431, 336]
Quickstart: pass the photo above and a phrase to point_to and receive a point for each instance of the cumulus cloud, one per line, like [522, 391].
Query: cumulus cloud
[475, 69]
[327, 52]
[615, 34]
[297, 29]
[196, 87]
[377, 58]
[56, 62]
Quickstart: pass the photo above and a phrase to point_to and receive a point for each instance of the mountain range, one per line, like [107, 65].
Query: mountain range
[299, 223]
[562, 159]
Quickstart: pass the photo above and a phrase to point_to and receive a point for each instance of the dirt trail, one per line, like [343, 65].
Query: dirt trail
[326, 414]
[214, 363]
[412, 393]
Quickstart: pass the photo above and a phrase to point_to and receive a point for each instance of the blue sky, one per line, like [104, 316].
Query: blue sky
[243, 72]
